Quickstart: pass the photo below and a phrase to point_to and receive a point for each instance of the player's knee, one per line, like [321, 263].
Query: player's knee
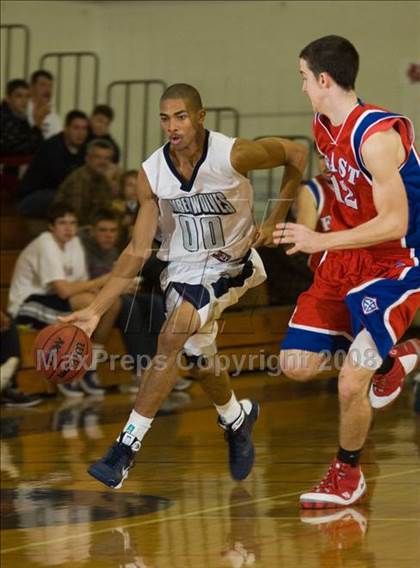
[296, 367]
[349, 387]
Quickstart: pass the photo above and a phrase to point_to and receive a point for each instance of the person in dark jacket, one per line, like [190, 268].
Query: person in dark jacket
[99, 125]
[55, 160]
[17, 136]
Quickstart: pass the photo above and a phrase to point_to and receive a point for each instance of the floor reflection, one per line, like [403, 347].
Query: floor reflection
[30, 507]
[119, 546]
[242, 547]
[343, 532]
[190, 514]
[74, 418]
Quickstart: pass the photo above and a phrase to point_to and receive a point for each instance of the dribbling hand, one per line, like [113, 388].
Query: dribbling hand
[86, 319]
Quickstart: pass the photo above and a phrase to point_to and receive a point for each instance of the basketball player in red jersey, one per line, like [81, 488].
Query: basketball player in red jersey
[366, 290]
[314, 201]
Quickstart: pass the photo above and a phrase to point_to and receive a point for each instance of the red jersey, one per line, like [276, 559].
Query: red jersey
[352, 182]
[322, 191]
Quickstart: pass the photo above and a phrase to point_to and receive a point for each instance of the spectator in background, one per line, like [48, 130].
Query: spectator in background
[41, 92]
[99, 242]
[90, 186]
[56, 159]
[50, 279]
[127, 204]
[9, 364]
[99, 125]
[142, 313]
[17, 136]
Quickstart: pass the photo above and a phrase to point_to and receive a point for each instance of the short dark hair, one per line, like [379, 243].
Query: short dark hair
[105, 110]
[41, 73]
[73, 115]
[59, 209]
[15, 84]
[104, 214]
[334, 55]
[184, 92]
[99, 143]
[128, 174]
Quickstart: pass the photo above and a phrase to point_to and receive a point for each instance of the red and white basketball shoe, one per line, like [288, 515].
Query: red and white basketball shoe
[386, 388]
[342, 485]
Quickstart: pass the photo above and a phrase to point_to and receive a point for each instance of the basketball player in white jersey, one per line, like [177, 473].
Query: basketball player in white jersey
[196, 191]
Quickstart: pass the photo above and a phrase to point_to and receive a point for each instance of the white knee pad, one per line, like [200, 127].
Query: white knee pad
[364, 353]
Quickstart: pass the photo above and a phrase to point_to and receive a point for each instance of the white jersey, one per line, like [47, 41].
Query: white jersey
[209, 219]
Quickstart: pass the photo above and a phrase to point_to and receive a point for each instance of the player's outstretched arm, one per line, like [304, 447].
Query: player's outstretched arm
[383, 154]
[129, 263]
[269, 153]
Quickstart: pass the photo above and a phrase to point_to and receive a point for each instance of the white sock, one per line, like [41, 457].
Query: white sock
[136, 427]
[230, 411]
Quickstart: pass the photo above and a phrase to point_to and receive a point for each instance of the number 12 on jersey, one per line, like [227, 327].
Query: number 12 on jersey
[343, 193]
[205, 230]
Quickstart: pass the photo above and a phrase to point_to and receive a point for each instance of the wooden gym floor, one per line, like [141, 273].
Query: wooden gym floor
[180, 509]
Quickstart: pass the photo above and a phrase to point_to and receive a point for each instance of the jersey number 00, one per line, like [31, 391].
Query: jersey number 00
[208, 228]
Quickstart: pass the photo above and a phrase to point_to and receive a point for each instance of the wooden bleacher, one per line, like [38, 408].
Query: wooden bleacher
[252, 331]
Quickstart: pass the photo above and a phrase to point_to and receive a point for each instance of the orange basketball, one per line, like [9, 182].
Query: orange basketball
[62, 352]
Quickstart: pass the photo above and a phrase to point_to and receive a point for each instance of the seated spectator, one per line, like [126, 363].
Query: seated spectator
[99, 242]
[142, 314]
[41, 92]
[127, 205]
[9, 364]
[100, 122]
[55, 160]
[88, 187]
[17, 136]
[51, 279]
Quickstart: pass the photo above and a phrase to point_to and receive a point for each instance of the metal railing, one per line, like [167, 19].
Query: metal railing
[8, 56]
[221, 114]
[129, 97]
[77, 57]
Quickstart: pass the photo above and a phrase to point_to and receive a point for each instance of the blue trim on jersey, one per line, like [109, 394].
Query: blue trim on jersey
[410, 174]
[186, 185]
[195, 294]
[367, 121]
[314, 341]
[314, 189]
[223, 284]
[199, 295]
[368, 306]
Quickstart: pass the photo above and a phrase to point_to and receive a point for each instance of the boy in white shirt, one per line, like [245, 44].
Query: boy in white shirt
[51, 279]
